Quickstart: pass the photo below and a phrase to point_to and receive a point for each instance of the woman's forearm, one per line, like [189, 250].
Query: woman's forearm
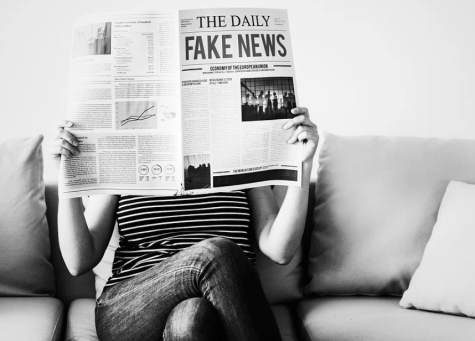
[84, 235]
[289, 224]
[75, 240]
[283, 235]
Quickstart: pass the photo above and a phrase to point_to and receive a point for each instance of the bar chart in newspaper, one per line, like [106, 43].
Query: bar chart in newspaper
[136, 115]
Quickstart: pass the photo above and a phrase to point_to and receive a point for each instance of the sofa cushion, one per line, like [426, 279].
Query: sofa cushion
[82, 327]
[31, 318]
[374, 319]
[25, 268]
[376, 204]
[445, 279]
[281, 283]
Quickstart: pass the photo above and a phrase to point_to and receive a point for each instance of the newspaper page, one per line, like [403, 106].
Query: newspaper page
[171, 102]
[237, 90]
[123, 97]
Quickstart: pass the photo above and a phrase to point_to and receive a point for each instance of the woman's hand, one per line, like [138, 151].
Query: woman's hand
[279, 231]
[305, 131]
[64, 143]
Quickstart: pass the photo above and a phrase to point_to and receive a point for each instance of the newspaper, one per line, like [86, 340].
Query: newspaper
[178, 102]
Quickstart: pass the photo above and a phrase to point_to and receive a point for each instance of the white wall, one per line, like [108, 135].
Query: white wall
[391, 67]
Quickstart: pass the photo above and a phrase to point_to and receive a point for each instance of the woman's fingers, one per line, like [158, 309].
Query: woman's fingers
[60, 147]
[56, 152]
[301, 119]
[305, 129]
[64, 124]
[299, 130]
[302, 134]
[310, 135]
[294, 122]
[65, 142]
[301, 111]
[67, 136]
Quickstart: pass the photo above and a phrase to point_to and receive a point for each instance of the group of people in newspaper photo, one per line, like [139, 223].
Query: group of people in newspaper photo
[275, 101]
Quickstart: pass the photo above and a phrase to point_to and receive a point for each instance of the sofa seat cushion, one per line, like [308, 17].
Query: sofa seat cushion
[376, 318]
[81, 325]
[31, 318]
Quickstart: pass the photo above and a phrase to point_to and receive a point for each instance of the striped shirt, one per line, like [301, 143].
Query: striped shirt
[153, 228]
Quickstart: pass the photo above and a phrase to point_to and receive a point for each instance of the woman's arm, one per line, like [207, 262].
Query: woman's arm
[83, 236]
[279, 232]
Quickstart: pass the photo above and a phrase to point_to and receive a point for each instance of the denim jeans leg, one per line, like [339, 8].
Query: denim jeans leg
[193, 320]
[231, 283]
[216, 269]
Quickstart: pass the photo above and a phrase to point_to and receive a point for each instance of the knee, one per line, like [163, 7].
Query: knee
[224, 249]
[192, 319]
[226, 257]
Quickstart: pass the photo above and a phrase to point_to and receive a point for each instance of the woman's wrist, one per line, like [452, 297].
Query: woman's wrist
[306, 171]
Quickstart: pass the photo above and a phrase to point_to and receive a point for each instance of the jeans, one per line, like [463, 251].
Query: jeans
[156, 305]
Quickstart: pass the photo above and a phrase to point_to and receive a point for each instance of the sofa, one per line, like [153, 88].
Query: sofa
[368, 269]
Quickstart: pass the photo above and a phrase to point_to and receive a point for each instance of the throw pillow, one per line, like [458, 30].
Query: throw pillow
[25, 268]
[445, 279]
[376, 204]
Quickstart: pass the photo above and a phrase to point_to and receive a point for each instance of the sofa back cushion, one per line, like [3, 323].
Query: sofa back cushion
[25, 268]
[377, 200]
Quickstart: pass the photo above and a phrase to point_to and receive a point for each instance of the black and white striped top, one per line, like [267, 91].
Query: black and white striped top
[153, 228]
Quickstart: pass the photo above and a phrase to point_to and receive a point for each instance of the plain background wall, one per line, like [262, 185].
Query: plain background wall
[389, 67]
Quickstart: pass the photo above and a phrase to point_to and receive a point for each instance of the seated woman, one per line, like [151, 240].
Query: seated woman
[183, 269]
